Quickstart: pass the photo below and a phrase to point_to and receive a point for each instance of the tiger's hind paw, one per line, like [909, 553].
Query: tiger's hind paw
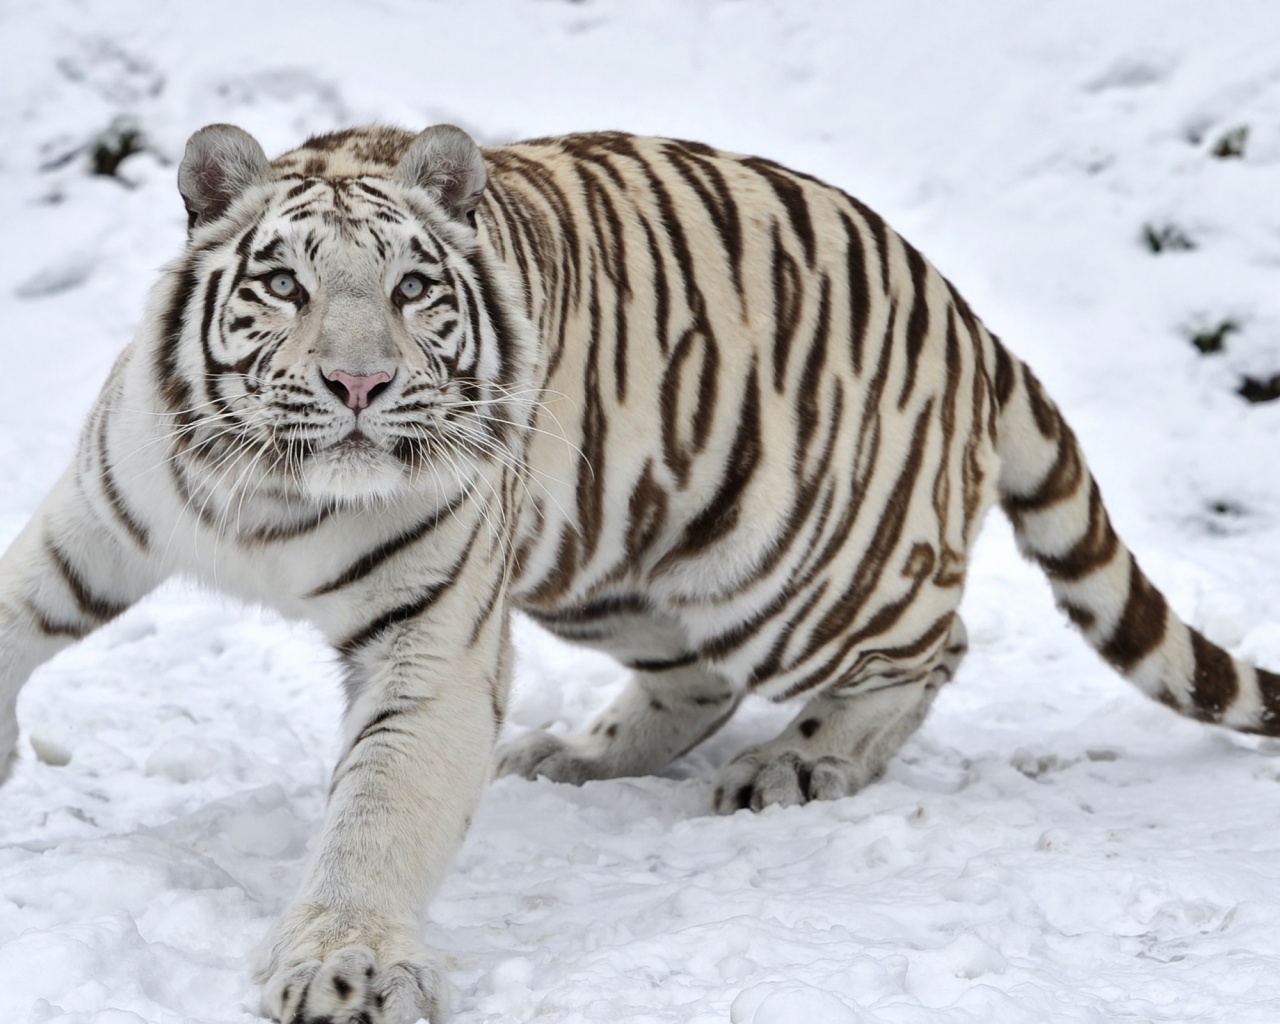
[758, 778]
[8, 746]
[540, 754]
[349, 987]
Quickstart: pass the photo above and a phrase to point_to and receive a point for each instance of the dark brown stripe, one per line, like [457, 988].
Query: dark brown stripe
[370, 561]
[1269, 687]
[881, 546]
[563, 569]
[99, 609]
[859, 291]
[537, 178]
[1142, 624]
[173, 322]
[593, 465]
[493, 603]
[496, 707]
[509, 237]
[596, 611]
[943, 479]
[865, 461]
[611, 247]
[663, 664]
[807, 508]
[790, 194]
[808, 394]
[966, 314]
[1215, 685]
[1002, 377]
[788, 300]
[468, 354]
[593, 147]
[424, 247]
[697, 167]
[725, 643]
[661, 291]
[214, 366]
[917, 321]
[679, 446]
[287, 531]
[409, 610]
[768, 666]
[894, 655]
[719, 516]
[369, 732]
[499, 317]
[810, 507]
[881, 622]
[50, 627]
[1060, 483]
[298, 189]
[268, 252]
[1042, 409]
[521, 228]
[114, 498]
[646, 514]
[880, 233]
[1082, 617]
[1095, 549]
[973, 471]
[377, 725]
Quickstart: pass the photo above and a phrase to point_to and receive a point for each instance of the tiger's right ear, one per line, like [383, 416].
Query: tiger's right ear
[446, 162]
[220, 163]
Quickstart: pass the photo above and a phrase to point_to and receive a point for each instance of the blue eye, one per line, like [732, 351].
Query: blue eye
[283, 285]
[411, 288]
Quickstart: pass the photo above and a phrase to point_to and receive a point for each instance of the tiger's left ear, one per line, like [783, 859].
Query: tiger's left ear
[446, 162]
[220, 163]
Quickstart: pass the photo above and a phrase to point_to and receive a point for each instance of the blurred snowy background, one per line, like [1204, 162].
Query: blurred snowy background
[1101, 180]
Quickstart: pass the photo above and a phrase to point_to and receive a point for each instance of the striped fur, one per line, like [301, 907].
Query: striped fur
[695, 409]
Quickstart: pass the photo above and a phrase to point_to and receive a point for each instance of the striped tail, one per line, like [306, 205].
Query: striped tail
[1060, 523]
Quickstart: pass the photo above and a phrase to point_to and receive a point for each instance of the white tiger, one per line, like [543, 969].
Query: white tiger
[695, 409]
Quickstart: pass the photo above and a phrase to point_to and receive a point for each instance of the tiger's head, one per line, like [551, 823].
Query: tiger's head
[335, 325]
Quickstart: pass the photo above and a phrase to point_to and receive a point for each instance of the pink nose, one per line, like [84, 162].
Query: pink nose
[355, 389]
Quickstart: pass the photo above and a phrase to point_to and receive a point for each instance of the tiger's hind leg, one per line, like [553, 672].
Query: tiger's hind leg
[671, 704]
[839, 742]
[657, 717]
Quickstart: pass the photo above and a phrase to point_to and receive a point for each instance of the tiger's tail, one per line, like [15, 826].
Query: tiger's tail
[1052, 501]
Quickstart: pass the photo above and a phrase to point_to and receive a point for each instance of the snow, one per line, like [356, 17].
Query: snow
[1049, 847]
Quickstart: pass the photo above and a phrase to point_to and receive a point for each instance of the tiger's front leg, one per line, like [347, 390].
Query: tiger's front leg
[427, 683]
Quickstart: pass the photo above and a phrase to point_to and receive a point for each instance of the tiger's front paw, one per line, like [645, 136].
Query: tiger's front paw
[350, 987]
[394, 980]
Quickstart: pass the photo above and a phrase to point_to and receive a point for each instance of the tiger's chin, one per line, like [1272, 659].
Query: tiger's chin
[350, 474]
[359, 472]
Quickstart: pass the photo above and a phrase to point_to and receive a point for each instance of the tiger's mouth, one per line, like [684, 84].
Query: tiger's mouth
[355, 443]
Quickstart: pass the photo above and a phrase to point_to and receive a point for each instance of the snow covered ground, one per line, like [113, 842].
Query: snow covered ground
[1050, 847]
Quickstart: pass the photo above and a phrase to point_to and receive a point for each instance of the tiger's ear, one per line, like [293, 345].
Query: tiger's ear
[220, 163]
[446, 162]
